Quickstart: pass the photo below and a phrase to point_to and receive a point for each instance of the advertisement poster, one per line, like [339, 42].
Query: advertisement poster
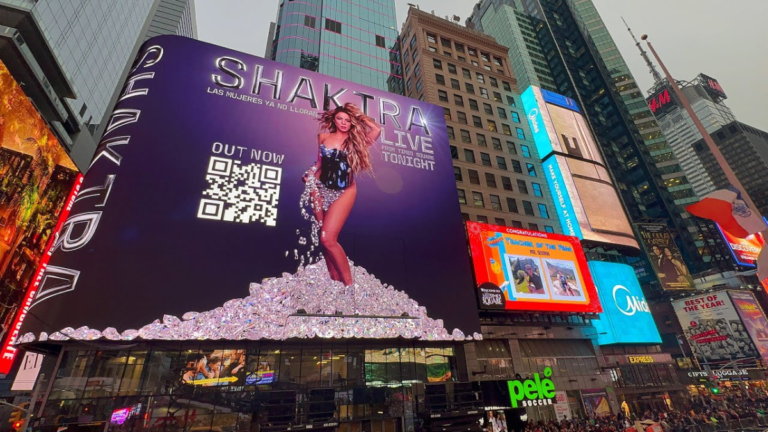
[665, 256]
[745, 251]
[516, 269]
[753, 320]
[240, 198]
[36, 179]
[216, 368]
[495, 421]
[596, 402]
[626, 317]
[715, 332]
[562, 409]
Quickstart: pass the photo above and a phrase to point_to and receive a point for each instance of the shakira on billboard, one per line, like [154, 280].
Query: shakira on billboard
[233, 197]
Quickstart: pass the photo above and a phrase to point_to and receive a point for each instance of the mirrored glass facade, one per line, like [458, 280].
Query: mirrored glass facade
[355, 40]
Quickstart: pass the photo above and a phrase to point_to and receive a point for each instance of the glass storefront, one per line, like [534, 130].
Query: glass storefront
[231, 386]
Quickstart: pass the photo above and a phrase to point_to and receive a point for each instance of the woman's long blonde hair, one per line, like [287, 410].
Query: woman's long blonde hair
[358, 143]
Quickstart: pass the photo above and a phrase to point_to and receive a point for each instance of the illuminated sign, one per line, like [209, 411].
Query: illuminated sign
[230, 159]
[665, 256]
[661, 101]
[537, 391]
[753, 318]
[713, 87]
[585, 198]
[745, 251]
[640, 359]
[529, 270]
[120, 415]
[626, 317]
[28, 371]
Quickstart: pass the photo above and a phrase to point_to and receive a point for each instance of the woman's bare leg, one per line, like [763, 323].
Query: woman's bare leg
[317, 207]
[333, 222]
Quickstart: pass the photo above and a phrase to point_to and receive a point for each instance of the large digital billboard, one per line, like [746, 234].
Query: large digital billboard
[516, 269]
[233, 197]
[626, 317]
[753, 320]
[715, 332]
[586, 200]
[745, 251]
[37, 178]
[665, 256]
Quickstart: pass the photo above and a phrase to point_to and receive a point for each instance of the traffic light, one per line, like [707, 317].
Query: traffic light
[17, 416]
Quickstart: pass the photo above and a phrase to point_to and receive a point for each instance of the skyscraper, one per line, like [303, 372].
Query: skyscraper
[351, 39]
[564, 46]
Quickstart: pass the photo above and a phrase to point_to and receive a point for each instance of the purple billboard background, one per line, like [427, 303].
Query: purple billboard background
[147, 253]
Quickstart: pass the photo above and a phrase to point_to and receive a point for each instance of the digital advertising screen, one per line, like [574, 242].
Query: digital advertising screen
[665, 256]
[218, 368]
[237, 198]
[753, 320]
[516, 269]
[745, 251]
[585, 197]
[626, 317]
[37, 180]
[715, 332]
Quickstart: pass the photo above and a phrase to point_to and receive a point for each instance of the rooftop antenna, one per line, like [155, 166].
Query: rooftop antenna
[644, 55]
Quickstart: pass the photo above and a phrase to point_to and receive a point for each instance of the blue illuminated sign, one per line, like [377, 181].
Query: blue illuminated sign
[536, 122]
[563, 204]
[626, 317]
[560, 100]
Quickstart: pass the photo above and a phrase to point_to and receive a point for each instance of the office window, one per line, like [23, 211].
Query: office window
[485, 57]
[446, 42]
[472, 51]
[512, 205]
[520, 133]
[536, 189]
[477, 121]
[492, 126]
[431, 38]
[415, 55]
[408, 84]
[311, 22]
[455, 84]
[482, 219]
[549, 229]
[525, 150]
[480, 77]
[447, 113]
[501, 162]
[516, 167]
[465, 72]
[490, 180]
[407, 70]
[477, 198]
[483, 93]
[465, 138]
[435, 62]
[440, 79]
[470, 88]
[543, 211]
[381, 42]
[469, 155]
[506, 183]
[494, 82]
[511, 101]
[406, 57]
[528, 208]
[533, 227]
[486, 159]
[499, 221]
[502, 112]
[521, 186]
[517, 224]
[418, 85]
[448, 54]
[459, 47]
[457, 174]
[333, 26]
[481, 140]
[474, 63]
[462, 197]
[497, 61]
[462, 59]
[451, 134]
[452, 68]
[488, 68]
[506, 130]
[454, 150]
[515, 117]
[505, 85]
[458, 100]
[511, 148]
[462, 117]
[495, 202]
[488, 109]
[497, 96]
[531, 169]
[465, 217]
[496, 144]
[417, 69]
[474, 177]
[432, 49]
[442, 95]
[413, 42]
[473, 105]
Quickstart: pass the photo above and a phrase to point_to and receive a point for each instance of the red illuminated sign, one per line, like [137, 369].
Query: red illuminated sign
[660, 101]
[9, 351]
[712, 87]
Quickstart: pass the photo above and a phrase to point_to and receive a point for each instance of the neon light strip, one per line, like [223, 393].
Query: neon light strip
[9, 352]
[336, 58]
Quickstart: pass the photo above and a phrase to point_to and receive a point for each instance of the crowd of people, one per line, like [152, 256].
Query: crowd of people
[699, 415]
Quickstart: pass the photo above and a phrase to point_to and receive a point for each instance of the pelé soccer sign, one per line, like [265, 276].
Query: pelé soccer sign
[536, 391]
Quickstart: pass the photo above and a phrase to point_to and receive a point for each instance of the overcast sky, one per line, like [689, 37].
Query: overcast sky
[725, 40]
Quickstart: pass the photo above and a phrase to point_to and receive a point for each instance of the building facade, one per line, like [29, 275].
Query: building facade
[350, 39]
[173, 17]
[565, 47]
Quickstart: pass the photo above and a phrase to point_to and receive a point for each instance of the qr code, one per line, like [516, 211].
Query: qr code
[241, 193]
